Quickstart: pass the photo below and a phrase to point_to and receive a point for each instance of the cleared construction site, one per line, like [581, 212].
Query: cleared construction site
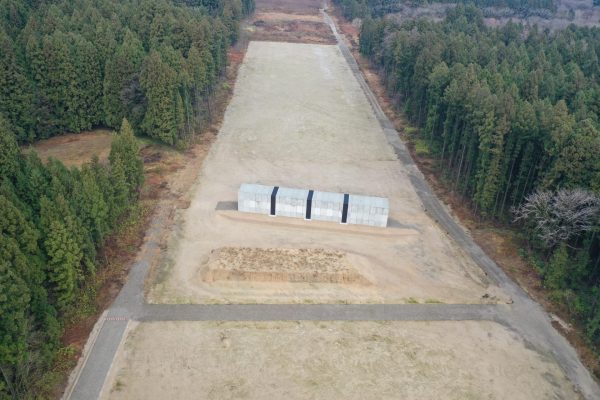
[299, 119]
[332, 360]
[267, 288]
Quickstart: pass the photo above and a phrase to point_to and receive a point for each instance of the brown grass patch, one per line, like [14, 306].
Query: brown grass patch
[290, 6]
[74, 149]
[293, 28]
[280, 265]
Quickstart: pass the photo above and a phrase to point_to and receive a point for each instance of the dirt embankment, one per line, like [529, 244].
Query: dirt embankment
[280, 265]
[290, 6]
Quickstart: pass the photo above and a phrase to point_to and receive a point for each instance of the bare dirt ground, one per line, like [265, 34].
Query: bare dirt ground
[289, 21]
[363, 360]
[75, 149]
[331, 360]
[298, 118]
[281, 28]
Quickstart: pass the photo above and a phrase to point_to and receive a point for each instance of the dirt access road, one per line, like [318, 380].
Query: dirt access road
[490, 351]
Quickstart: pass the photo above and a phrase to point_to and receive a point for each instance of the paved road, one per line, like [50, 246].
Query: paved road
[523, 316]
[324, 312]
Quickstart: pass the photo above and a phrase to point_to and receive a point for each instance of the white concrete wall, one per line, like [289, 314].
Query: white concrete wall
[368, 210]
[291, 202]
[254, 198]
[326, 206]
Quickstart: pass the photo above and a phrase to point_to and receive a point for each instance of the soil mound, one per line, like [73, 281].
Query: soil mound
[281, 265]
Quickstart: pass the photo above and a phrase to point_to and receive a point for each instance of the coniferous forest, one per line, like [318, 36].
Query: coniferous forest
[143, 66]
[512, 116]
[377, 8]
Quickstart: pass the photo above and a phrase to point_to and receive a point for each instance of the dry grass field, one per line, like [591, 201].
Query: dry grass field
[289, 21]
[75, 149]
[331, 360]
[290, 6]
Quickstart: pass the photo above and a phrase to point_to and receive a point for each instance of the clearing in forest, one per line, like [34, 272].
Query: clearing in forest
[299, 118]
[75, 149]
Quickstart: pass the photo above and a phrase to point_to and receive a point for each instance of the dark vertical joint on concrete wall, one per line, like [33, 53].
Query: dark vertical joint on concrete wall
[274, 199]
[345, 208]
[309, 203]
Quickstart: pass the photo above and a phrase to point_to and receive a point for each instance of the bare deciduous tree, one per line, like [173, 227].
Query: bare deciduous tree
[560, 216]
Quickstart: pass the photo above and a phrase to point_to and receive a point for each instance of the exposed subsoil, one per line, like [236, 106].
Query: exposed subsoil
[299, 118]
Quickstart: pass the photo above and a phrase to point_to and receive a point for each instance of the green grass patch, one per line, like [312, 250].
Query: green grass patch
[410, 131]
[422, 147]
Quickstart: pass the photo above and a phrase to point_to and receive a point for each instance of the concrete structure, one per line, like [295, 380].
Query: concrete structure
[311, 204]
[368, 210]
[291, 202]
[255, 198]
[327, 206]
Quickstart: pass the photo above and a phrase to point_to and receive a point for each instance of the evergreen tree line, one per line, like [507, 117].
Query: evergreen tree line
[149, 66]
[377, 8]
[52, 221]
[508, 113]
[68, 66]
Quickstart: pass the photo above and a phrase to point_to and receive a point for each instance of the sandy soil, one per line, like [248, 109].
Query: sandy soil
[298, 118]
[75, 149]
[331, 360]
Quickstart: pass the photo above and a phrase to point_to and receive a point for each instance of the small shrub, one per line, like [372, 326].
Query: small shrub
[410, 131]
[422, 147]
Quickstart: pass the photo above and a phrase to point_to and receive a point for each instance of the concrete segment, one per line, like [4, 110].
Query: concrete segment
[326, 206]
